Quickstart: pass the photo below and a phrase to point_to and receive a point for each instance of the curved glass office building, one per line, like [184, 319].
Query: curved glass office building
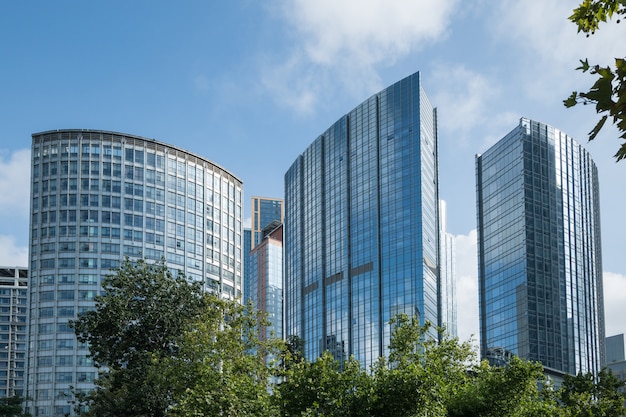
[362, 226]
[539, 255]
[98, 196]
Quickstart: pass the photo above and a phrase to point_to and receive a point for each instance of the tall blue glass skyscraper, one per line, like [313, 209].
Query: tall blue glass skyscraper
[539, 258]
[362, 226]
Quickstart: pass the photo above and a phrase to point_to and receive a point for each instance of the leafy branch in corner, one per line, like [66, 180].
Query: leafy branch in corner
[608, 93]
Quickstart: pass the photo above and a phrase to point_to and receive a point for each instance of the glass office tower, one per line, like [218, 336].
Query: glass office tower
[362, 226]
[96, 197]
[539, 258]
[266, 278]
[265, 211]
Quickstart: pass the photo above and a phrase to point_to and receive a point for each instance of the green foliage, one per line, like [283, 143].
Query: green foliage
[586, 395]
[590, 13]
[608, 92]
[167, 349]
[503, 391]
[221, 368]
[137, 321]
[422, 373]
[12, 407]
[324, 387]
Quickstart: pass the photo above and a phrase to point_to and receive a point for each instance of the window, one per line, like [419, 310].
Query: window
[46, 296]
[88, 262]
[65, 312]
[44, 376]
[88, 279]
[46, 263]
[66, 295]
[47, 279]
[87, 295]
[66, 279]
[63, 377]
[46, 329]
[44, 361]
[85, 376]
[64, 360]
[64, 328]
[67, 262]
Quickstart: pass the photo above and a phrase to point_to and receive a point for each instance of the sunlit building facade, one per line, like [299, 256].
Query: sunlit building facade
[266, 278]
[362, 226]
[96, 197]
[539, 255]
[265, 210]
[448, 274]
[13, 330]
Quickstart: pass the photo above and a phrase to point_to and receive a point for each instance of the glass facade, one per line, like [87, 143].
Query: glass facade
[265, 211]
[96, 197]
[266, 279]
[362, 226]
[448, 275]
[539, 256]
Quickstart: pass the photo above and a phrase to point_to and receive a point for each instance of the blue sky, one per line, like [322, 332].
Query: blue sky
[251, 84]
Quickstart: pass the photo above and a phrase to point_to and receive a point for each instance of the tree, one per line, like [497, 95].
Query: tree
[136, 322]
[422, 372]
[12, 407]
[608, 92]
[586, 395]
[324, 387]
[222, 368]
[510, 390]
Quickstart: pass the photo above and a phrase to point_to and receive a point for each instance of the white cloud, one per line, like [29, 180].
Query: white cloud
[14, 181]
[467, 287]
[465, 101]
[11, 254]
[549, 45]
[544, 27]
[366, 32]
[345, 41]
[614, 303]
[292, 86]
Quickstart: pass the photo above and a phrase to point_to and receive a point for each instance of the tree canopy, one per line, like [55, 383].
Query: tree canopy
[137, 321]
[166, 348]
[608, 92]
[12, 407]
[223, 368]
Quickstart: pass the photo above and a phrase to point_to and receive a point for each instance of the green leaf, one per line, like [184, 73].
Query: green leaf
[584, 65]
[594, 132]
[571, 100]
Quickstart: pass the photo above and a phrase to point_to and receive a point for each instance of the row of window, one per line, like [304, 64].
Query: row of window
[66, 377]
[64, 360]
[50, 344]
[71, 149]
[67, 295]
[88, 263]
[133, 172]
